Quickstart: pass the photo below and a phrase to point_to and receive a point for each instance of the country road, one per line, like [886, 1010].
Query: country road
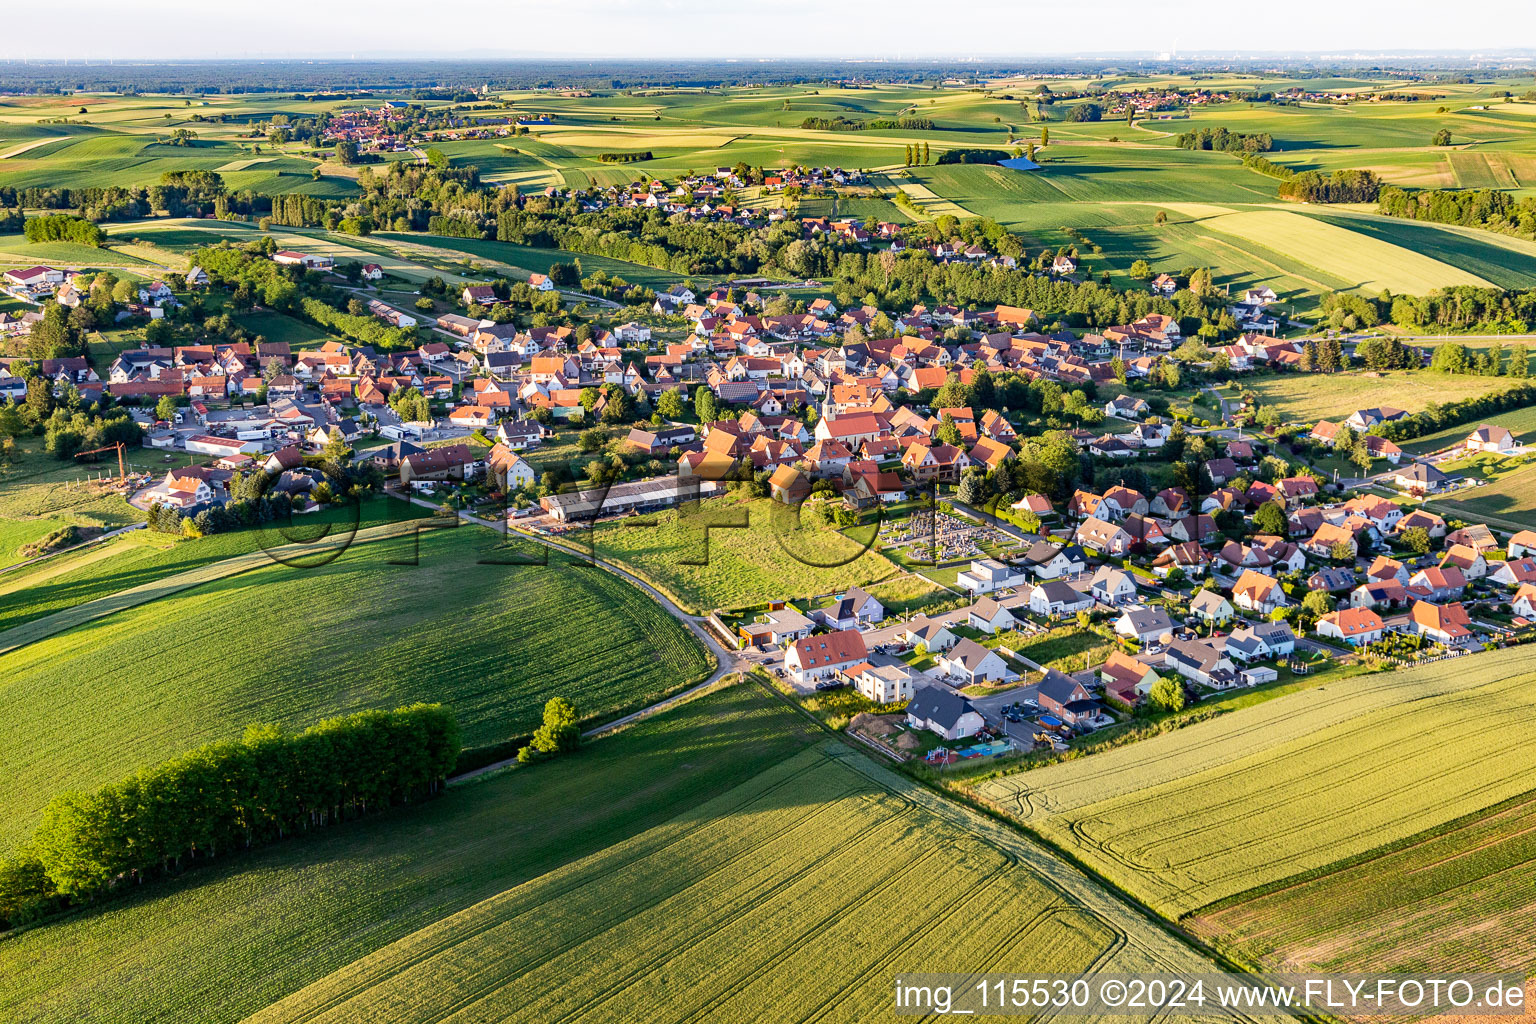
[726, 662]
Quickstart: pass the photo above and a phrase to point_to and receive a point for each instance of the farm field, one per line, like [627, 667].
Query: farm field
[724, 824]
[1521, 423]
[1452, 899]
[141, 557]
[1185, 819]
[744, 565]
[528, 258]
[500, 640]
[1307, 398]
[1508, 504]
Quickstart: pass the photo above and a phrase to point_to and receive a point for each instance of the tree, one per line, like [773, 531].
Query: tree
[1441, 138]
[1166, 695]
[346, 152]
[1270, 519]
[1160, 218]
[704, 404]
[1317, 603]
[165, 409]
[669, 406]
[1415, 539]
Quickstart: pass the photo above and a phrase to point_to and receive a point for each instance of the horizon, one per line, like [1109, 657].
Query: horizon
[375, 32]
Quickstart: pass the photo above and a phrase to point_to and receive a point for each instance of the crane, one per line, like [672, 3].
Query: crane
[121, 473]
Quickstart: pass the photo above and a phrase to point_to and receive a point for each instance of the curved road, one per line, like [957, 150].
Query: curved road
[726, 662]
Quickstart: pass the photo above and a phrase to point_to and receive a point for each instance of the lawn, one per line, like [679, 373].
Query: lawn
[536, 260]
[1521, 423]
[1294, 784]
[277, 328]
[703, 561]
[293, 644]
[711, 861]
[1455, 898]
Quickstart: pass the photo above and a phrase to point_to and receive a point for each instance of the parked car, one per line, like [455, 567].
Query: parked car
[830, 684]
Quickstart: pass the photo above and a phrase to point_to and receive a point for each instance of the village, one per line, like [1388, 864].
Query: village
[1237, 578]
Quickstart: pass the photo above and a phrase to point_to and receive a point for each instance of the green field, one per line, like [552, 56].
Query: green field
[1309, 397]
[1255, 796]
[1521, 423]
[1457, 898]
[1508, 504]
[706, 855]
[294, 644]
[535, 260]
[705, 566]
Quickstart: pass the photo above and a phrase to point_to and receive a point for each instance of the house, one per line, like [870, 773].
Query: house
[1354, 626]
[1260, 640]
[884, 684]
[1388, 593]
[478, 295]
[1524, 602]
[1419, 478]
[1112, 586]
[1438, 583]
[1126, 407]
[780, 626]
[1201, 663]
[1522, 544]
[988, 574]
[1384, 568]
[1056, 599]
[509, 469]
[1210, 607]
[1491, 438]
[933, 636]
[1125, 678]
[1050, 561]
[1332, 580]
[1446, 624]
[1067, 699]
[943, 712]
[1516, 572]
[990, 617]
[1105, 537]
[814, 658]
[540, 283]
[371, 272]
[1464, 557]
[851, 610]
[968, 663]
[451, 462]
[1476, 536]
[1430, 523]
[1144, 625]
[1257, 593]
[1362, 420]
[789, 485]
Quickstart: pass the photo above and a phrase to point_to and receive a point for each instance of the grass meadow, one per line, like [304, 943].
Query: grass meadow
[703, 561]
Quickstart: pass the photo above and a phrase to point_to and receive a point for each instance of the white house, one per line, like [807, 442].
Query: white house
[883, 684]
[1354, 626]
[968, 662]
[988, 574]
[990, 617]
[1112, 586]
[814, 658]
[1055, 598]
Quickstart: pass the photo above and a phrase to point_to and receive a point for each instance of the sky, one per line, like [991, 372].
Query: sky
[749, 29]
